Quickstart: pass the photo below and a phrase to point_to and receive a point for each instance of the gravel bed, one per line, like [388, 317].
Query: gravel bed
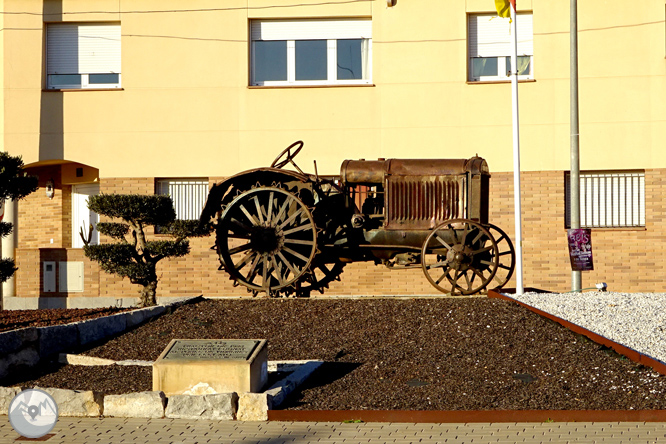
[635, 320]
[383, 354]
[13, 319]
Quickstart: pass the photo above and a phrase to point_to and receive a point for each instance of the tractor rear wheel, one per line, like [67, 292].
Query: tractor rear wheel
[267, 239]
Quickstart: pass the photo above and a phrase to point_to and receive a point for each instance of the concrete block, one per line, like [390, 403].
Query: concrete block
[14, 340]
[100, 328]
[254, 406]
[83, 360]
[281, 389]
[10, 341]
[134, 318]
[4, 368]
[151, 312]
[135, 362]
[27, 357]
[135, 405]
[185, 363]
[7, 394]
[20, 303]
[57, 338]
[99, 302]
[220, 406]
[76, 403]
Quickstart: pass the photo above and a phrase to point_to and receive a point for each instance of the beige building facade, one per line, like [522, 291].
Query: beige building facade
[171, 96]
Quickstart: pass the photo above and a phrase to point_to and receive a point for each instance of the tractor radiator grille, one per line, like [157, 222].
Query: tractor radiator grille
[422, 203]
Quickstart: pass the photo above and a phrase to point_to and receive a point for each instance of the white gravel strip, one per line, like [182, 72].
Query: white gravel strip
[635, 320]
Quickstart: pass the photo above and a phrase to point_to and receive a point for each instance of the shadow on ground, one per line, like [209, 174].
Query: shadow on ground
[327, 373]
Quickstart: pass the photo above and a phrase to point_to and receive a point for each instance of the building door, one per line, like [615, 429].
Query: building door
[82, 217]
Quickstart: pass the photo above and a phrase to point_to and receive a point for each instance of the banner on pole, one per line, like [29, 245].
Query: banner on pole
[580, 249]
[504, 7]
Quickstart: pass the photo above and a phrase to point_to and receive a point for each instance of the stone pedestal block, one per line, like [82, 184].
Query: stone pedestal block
[229, 365]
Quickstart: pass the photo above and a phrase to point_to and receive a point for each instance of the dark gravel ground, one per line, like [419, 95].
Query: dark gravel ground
[413, 354]
[13, 319]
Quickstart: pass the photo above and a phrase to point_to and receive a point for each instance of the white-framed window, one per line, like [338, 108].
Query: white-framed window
[82, 55]
[614, 199]
[489, 47]
[311, 52]
[188, 195]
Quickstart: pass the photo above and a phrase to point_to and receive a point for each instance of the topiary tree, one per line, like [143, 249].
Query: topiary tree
[133, 256]
[15, 184]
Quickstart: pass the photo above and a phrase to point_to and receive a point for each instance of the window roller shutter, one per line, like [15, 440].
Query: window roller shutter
[310, 29]
[83, 49]
[490, 36]
[62, 56]
[99, 48]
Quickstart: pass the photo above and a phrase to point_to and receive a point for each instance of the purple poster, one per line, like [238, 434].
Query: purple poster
[580, 249]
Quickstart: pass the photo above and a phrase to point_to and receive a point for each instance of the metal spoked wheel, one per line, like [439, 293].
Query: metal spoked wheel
[507, 257]
[267, 239]
[321, 274]
[460, 254]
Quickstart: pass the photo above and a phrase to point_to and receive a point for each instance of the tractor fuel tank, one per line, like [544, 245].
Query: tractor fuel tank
[374, 172]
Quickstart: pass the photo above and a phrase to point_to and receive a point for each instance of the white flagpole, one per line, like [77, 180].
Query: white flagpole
[516, 154]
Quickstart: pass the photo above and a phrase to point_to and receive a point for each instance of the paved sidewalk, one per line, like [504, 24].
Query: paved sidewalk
[121, 430]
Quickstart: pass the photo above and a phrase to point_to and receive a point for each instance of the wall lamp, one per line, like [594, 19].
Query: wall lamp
[391, 3]
[50, 189]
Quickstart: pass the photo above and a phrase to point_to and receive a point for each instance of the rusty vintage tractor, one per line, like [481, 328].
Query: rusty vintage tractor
[288, 233]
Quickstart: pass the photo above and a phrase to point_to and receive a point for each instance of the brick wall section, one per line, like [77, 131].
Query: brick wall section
[40, 218]
[29, 273]
[111, 285]
[30, 278]
[628, 260]
[66, 227]
[545, 253]
[193, 274]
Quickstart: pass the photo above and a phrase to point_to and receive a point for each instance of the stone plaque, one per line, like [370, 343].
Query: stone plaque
[227, 349]
[207, 366]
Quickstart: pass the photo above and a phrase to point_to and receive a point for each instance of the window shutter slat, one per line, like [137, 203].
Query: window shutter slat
[83, 49]
[99, 48]
[62, 56]
[310, 29]
[490, 36]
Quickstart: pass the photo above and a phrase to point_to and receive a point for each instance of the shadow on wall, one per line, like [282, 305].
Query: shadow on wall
[51, 138]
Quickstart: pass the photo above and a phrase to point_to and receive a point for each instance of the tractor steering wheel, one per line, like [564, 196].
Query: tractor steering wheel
[279, 163]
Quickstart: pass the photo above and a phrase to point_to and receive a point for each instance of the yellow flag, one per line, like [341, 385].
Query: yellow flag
[503, 7]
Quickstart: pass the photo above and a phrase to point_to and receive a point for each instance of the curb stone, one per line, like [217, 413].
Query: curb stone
[7, 394]
[283, 388]
[83, 360]
[254, 406]
[57, 337]
[75, 403]
[96, 329]
[26, 347]
[135, 405]
[222, 406]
